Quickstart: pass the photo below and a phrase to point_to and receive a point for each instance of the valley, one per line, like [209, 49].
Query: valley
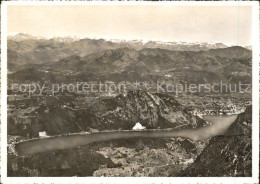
[91, 132]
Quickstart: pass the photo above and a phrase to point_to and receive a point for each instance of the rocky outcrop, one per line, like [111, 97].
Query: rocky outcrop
[151, 110]
[229, 154]
[104, 113]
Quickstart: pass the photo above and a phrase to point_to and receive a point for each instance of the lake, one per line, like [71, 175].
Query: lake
[219, 125]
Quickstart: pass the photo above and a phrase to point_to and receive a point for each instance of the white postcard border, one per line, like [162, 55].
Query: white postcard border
[126, 180]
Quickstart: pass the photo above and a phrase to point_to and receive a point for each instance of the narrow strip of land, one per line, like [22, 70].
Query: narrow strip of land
[219, 125]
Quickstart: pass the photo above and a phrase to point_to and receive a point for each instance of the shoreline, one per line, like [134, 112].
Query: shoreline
[32, 146]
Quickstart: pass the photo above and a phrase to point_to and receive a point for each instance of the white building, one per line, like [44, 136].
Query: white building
[188, 161]
[43, 134]
[138, 126]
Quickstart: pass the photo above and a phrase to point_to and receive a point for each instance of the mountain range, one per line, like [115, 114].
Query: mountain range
[45, 50]
[229, 65]
[104, 113]
[70, 60]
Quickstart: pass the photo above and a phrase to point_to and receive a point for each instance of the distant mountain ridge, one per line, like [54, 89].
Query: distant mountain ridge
[139, 43]
[154, 57]
[117, 60]
[25, 36]
[127, 64]
[45, 50]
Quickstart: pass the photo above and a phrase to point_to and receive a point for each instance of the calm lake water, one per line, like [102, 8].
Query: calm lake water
[219, 125]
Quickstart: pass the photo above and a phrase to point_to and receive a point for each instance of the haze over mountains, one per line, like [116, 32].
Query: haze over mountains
[129, 60]
[43, 50]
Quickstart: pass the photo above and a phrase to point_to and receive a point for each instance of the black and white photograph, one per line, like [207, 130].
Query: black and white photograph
[142, 90]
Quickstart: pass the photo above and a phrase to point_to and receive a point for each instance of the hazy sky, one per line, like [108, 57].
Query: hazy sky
[230, 25]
